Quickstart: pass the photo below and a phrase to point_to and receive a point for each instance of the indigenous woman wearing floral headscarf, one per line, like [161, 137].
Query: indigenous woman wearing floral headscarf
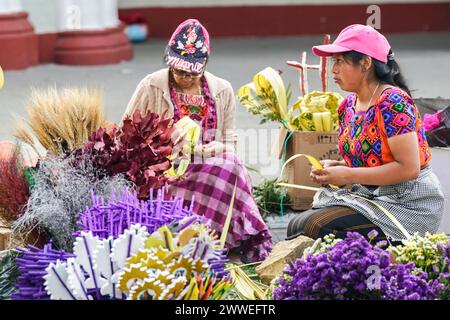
[386, 158]
[185, 89]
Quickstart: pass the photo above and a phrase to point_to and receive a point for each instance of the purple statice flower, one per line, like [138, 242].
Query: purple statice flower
[111, 218]
[382, 244]
[32, 265]
[352, 269]
[444, 271]
[405, 282]
[372, 234]
[340, 273]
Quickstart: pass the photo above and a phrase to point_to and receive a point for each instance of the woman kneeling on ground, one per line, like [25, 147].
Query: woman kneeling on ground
[386, 157]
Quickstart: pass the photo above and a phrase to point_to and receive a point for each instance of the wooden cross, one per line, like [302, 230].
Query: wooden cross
[303, 68]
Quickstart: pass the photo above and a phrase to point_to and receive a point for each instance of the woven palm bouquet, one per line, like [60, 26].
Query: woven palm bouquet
[268, 97]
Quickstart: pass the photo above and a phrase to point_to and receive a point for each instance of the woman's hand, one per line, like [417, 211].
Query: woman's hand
[337, 175]
[212, 149]
[178, 142]
[332, 163]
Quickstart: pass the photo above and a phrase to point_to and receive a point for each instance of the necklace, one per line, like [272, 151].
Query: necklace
[373, 93]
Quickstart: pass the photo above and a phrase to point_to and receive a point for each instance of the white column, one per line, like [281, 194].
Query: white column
[79, 15]
[91, 14]
[110, 13]
[10, 6]
[87, 14]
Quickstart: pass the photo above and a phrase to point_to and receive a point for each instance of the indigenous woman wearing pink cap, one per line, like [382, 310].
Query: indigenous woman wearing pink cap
[386, 157]
[185, 89]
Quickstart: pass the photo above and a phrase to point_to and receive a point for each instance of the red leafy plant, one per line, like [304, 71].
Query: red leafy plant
[14, 189]
[139, 149]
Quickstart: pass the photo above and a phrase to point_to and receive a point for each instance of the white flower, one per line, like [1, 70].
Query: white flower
[199, 44]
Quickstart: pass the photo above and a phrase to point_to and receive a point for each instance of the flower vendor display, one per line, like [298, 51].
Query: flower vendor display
[353, 268]
[82, 155]
[117, 234]
[187, 263]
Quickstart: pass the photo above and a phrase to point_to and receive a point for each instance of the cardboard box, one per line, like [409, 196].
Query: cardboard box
[5, 234]
[321, 145]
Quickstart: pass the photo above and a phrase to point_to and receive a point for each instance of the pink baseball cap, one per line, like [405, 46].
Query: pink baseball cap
[360, 38]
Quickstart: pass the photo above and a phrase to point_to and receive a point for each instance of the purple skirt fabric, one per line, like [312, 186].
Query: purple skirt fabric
[212, 184]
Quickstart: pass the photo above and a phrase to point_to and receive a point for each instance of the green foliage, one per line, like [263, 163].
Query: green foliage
[8, 274]
[268, 197]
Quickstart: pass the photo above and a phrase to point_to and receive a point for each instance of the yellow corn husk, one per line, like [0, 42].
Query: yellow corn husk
[306, 122]
[193, 287]
[267, 95]
[313, 161]
[317, 118]
[245, 287]
[268, 90]
[180, 171]
[2, 78]
[188, 129]
[190, 132]
[270, 80]
[316, 102]
[226, 227]
[297, 186]
[326, 121]
[245, 94]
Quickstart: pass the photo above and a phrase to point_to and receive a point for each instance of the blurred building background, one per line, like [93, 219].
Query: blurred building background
[89, 32]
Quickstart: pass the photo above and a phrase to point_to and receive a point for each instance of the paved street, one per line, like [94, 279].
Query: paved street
[425, 59]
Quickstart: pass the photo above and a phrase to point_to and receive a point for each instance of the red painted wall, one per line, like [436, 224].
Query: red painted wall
[294, 20]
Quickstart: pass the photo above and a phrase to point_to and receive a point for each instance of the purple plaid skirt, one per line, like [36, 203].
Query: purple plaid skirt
[212, 184]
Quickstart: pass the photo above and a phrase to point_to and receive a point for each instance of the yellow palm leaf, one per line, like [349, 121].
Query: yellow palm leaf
[269, 82]
[2, 78]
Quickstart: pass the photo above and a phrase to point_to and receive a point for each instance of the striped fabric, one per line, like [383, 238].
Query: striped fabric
[417, 204]
[212, 184]
[317, 223]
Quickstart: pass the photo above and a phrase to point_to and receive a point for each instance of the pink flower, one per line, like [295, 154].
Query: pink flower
[190, 49]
